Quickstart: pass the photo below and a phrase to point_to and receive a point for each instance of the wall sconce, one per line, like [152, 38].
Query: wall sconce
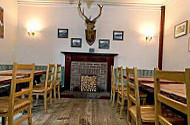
[148, 38]
[31, 32]
[32, 28]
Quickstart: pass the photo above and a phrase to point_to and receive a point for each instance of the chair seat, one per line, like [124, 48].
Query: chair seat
[40, 88]
[148, 114]
[19, 103]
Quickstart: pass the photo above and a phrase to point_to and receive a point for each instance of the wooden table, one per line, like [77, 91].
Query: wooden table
[175, 91]
[21, 72]
[4, 80]
[6, 76]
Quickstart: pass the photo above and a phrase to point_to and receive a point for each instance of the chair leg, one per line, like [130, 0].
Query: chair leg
[4, 120]
[37, 98]
[117, 105]
[144, 101]
[59, 92]
[54, 88]
[113, 99]
[45, 103]
[111, 96]
[128, 118]
[122, 107]
[30, 115]
[50, 96]
[10, 118]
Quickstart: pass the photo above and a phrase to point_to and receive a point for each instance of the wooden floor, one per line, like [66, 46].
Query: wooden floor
[77, 112]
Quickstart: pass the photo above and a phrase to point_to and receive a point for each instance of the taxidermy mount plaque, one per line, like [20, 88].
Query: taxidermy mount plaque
[90, 23]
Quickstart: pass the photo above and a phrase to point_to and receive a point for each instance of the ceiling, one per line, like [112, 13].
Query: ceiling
[108, 2]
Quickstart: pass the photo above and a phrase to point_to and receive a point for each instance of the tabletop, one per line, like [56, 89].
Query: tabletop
[4, 80]
[6, 76]
[172, 90]
[21, 72]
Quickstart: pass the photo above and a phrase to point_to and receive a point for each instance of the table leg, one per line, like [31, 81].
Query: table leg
[3, 120]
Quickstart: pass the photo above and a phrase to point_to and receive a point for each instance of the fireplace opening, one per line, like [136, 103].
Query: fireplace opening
[88, 83]
[88, 76]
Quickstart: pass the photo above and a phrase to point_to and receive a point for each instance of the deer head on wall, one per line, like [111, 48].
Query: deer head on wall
[90, 32]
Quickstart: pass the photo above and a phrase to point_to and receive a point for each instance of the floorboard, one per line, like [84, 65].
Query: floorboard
[72, 111]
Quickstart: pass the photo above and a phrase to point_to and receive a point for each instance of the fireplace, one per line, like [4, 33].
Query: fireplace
[91, 68]
[88, 71]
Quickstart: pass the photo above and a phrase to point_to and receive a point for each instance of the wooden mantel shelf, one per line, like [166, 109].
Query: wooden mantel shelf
[86, 53]
[87, 57]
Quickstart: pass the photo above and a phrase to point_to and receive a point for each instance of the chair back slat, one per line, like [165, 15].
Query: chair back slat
[133, 92]
[113, 77]
[49, 76]
[120, 81]
[173, 103]
[57, 74]
[174, 76]
[22, 80]
[17, 79]
[23, 92]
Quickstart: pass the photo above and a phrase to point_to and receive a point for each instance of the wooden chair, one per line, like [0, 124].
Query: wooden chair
[113, 86]
[140, 114]
[176, 76]
[12, 105]
[144, 114]
[46, 88]
[57, 80]
[121, 90]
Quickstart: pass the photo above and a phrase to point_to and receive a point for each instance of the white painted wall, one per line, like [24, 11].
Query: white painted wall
[176, 55]
[45, 47]
[7, 44]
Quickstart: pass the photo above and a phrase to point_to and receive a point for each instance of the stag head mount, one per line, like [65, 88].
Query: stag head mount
[90, 23]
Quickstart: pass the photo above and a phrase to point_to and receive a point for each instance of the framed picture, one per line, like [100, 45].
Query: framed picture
[189, 44]
[1, 23]
[180, 29]
[63, 33]
[104, 43]
[118, 35]
[76, 42]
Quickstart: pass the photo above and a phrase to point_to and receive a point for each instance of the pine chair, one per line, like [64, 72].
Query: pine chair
[121, 90]
[113, 86]
[46, 88]
[14, 104]
[176, 76]
[57, 80]
[140, 114]
[143, 115]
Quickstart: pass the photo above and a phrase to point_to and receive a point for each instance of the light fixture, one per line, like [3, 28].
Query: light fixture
[31, 33]
[148, 34]
[148, 38]
[32, 28]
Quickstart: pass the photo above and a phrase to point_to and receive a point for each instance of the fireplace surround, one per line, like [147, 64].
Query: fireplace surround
[94, 60]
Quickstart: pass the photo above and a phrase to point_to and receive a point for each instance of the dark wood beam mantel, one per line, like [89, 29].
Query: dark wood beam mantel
[87, 57]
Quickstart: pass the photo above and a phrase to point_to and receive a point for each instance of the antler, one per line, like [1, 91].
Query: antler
[100, 6]
[82, 11]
